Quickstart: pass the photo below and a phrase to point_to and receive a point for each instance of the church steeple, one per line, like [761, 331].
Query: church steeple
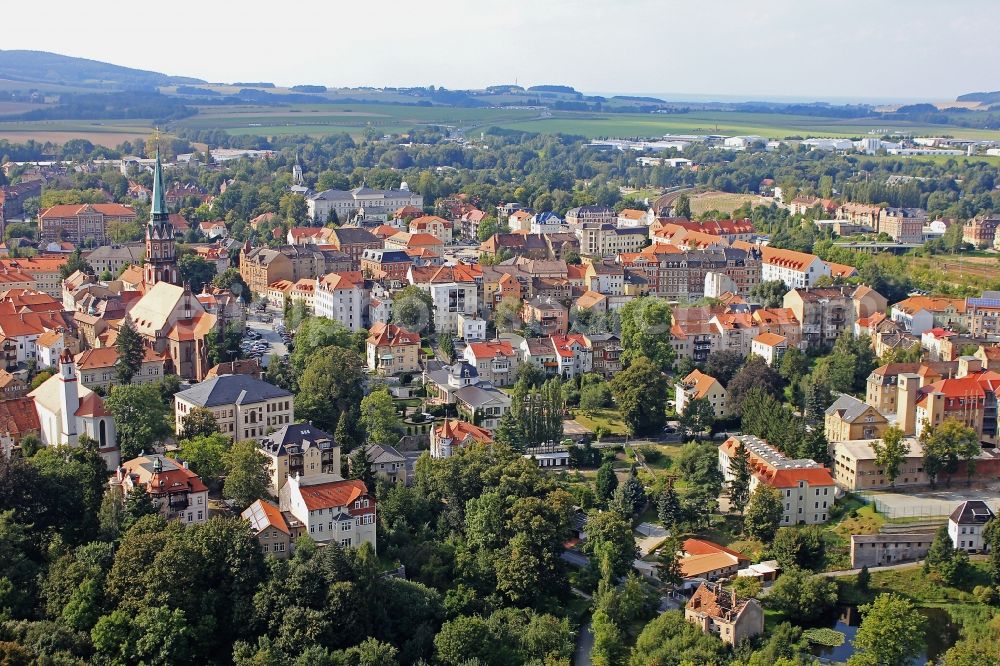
[161, 264]
[158, 211]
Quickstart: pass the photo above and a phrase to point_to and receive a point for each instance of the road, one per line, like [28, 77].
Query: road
[277, 347]
[584, 646]
[888, 567]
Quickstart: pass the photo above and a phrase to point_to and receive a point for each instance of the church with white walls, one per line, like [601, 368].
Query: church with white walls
[68, 410]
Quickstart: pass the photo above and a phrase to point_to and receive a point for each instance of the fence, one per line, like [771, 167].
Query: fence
[910, 507]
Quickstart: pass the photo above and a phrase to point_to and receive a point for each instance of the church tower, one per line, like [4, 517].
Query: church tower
[161, 262]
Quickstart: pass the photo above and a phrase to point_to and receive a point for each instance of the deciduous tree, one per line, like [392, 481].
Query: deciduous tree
[763, 513]
[891, 632]
[130, 352]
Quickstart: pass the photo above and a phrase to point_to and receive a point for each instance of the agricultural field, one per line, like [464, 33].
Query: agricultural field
[103, 133]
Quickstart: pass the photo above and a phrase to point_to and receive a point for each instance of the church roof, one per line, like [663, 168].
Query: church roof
[154, 310]
[158, 205]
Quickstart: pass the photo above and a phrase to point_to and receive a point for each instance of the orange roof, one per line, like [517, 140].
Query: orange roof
[281, 285]
[701, 382]
[72, 210]
[263, 514]
[699, 565]
[385, 231]
[460, 431]
[427, 220]
[333, 494]
[797, 261]
[789, 478]
[193, 329]
[770, 339]
[576, 271]
[393, 336]
[703, 547]
[18, 417]
[341, 280]
[492, 348]
[92, 405]
[632, 214]
[841, 270]
[930, 303]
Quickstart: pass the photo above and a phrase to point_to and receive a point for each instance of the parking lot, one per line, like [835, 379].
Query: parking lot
[264, 339]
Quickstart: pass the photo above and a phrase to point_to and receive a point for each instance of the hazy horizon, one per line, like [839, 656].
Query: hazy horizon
[891, 50]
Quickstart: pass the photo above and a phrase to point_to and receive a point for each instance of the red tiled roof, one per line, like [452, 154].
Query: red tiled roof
[489, 349]
[18, 417]
[333, 494]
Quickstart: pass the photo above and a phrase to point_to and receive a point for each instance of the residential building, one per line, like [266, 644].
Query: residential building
[605, 352]
[43, 270]
[629, 217]
[438, 227]
[881, 391]
[680, 275]
[533, 246]
[66, 411]
[364, 202]
[343, 297]
[386, 463]
[98, 368]
[413, 242]
[595, 214]
[865, 215]
[452, 434]
[471, 327]
[795, 269]
[983, 315]
[113, 258]
[495, 361]
[386, 264]
[917, 314]
[717, 610]
[276, 532]
[879, 550]
[709, 561]
[967, 525]
[308, 235]
[699, 386]
[176, 491]
[854, 466]
[904, 225]
[981, 230]
[300, 450]
[848, 419]
[453, 289]
[393, 350]
[18, 418]
[770, 347]
[546, 316]
[823, 313]
[459, 384]
[81, 224]
[341, 511]
[807, 489]
[243, 407]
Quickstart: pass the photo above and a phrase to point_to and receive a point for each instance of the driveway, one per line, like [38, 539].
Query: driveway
[584, 646]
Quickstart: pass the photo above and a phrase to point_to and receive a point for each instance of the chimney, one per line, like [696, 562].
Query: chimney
[968, 365]
[907, 386]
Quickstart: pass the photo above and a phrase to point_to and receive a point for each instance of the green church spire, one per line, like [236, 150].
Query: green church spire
[158, 210]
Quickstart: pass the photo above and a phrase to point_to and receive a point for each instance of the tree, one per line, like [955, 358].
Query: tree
[413, 309]
[610, 543]
[205, 454]
[801, 595]
[140, 417]
[632, 389]
[864, 579]
[630, 497]
[682, 207]
[447, 346]
[138, 503]
[669, 639]
[223, 343]
[199, 422]
[196, 271]
[668, 561]
[940, 551]
[379, 419]
[360, 467]
[891, 632]
[770, 293]
[74, 263]
[246, 474]
[699, 467]
[330, 385]
[763, 513]
[130, 352]
[739, 485]
[890, 452]
[803, 548]
[698, 416]
[755, 374]
[794, 365]
[645, 332]
[724, 364]
[231, 280]
[507, 314]
[606, 482]
[668, 507]
[595, 396]
[945, 445]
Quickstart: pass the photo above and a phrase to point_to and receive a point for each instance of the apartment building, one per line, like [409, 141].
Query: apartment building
[807, 489]
[700, 386]
[343, 297]
[243, 407]
[176, 491]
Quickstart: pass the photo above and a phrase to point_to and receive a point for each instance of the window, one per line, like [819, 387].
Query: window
[200, 515]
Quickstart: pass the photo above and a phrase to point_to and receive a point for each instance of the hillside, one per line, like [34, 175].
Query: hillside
[45, 67]
[981, 97]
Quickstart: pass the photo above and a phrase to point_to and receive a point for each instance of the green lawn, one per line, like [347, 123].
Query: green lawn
[923, 589]
[610, 419]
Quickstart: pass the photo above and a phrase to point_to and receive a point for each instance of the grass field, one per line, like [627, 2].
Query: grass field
[723, 202]
[609, 419]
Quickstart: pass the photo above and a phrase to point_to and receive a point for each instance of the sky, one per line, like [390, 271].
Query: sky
[716, 49]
